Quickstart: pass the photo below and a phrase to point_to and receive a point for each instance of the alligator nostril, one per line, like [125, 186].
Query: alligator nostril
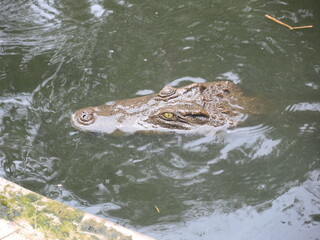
[86, 117]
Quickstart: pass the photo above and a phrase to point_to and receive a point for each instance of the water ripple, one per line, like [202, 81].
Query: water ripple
[304, 106]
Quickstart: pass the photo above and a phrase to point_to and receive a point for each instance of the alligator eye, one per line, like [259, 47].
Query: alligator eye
[86, 117]
[167, 92]
[168, 115]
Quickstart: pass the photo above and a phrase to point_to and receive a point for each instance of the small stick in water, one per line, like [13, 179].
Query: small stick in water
[308, 26]
[158, 209]
[278, 21]
[286, 25]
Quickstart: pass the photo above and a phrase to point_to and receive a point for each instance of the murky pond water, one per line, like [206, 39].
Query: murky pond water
[259, 181]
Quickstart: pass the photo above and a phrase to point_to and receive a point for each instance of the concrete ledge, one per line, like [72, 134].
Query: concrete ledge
[27, 215]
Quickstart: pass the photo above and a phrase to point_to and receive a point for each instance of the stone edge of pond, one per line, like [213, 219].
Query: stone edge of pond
[28, 215]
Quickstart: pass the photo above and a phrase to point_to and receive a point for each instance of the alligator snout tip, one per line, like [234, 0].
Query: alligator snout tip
[85, 116]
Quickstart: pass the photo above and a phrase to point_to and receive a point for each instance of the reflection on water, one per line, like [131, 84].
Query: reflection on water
[258, 181]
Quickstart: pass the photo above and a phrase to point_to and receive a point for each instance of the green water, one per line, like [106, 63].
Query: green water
[255, 182]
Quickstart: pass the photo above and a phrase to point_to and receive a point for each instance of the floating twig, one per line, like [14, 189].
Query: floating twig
[158, 209]
[301, 27]
[286, 25]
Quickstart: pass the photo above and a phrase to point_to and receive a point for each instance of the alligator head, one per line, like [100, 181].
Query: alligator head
[195, 107]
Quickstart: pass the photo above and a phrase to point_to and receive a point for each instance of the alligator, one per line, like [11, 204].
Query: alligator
[197, 107]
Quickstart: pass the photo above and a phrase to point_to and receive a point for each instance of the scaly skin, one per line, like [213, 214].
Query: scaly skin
[192, 108]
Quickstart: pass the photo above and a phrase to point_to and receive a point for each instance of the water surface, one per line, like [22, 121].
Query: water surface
[259, 181]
